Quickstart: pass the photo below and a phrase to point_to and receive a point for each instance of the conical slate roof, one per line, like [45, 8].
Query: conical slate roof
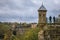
[42, 7]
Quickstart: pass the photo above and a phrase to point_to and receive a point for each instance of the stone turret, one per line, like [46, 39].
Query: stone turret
[42, 15]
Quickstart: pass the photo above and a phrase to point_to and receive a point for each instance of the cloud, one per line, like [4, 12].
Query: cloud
[26, 10]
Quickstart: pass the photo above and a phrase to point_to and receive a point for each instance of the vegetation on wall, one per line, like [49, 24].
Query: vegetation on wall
[31, 34]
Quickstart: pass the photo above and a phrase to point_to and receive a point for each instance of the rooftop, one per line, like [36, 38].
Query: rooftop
[42, 7]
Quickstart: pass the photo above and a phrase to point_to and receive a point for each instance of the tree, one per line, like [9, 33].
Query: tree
[8, 35]
[50, 19]
[32, 34]
[14, 38]
[54, 19]
[4, 29]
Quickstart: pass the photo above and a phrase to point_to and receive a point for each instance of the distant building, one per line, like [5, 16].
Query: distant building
[33, 25]
[58, 19]
[21, 28]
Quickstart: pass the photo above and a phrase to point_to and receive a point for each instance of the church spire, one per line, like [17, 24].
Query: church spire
[42, 3]
[42, 7]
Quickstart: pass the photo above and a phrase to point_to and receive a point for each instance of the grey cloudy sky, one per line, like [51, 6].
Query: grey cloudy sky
[26, 10]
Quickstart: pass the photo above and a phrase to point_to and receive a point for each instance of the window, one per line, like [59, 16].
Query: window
[39, 14]
[43, 15]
